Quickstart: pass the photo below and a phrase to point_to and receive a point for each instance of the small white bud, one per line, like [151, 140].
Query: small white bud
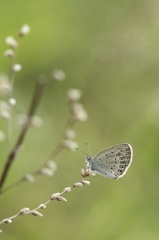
[5, 115]
[78, 184]
[5, 85]
[70, 134]
[55, 196]
[46, 171]
[85, 173]
[85, 182]
[51, 164]
[7, 220]
[59, 75]
[92, 173]
[12, 101]
[9, 53]
[24, 30]
[0, 230]
[30, 178]
[79, 112]
[24, 211]
[74, 94]
[72, 145]
[42, 206]
[36, 213]
[67, 189]
[36, 121]
[11, 42]
[17, 67]
[61, 199]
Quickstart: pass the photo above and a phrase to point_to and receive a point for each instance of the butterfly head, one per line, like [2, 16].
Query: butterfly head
[88, 158]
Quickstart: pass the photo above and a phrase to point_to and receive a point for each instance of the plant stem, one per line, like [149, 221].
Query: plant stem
[38, 92]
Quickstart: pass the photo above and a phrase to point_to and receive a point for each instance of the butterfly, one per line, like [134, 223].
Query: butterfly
[113, 162]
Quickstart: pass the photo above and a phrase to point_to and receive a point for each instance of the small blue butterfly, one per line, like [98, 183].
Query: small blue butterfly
[113, 162]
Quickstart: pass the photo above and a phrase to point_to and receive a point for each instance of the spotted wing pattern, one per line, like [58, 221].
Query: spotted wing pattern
[113, 162]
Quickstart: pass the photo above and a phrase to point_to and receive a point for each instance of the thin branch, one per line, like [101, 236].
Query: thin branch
[40, 86]
[55, 196]
[69, 125]
[49, 167]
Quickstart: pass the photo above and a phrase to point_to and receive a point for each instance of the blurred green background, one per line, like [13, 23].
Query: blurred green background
[109, 50]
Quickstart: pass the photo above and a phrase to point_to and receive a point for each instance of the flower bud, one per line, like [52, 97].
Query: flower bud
[12, 101]
[42, 206]
[55, 196]
[72, 145]
[9, 53]
[24, 30]
[85, 182]
[79, 112]
[24, 211]
[70, 134]
[7, 220]
[16, 67]
[77, 184]
[11, 42]
[36, 213]
[74, 94]
[67, 189]
[59, 75]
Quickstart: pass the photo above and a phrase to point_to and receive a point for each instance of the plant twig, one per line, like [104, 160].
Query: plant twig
[40, 86]
[55, 196]
[60, 146]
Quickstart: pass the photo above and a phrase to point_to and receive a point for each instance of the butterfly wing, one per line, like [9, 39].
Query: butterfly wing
[112, 162]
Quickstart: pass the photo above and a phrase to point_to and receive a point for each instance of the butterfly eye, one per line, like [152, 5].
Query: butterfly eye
[88, 158]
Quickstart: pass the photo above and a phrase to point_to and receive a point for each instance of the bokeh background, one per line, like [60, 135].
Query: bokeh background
[109, 50]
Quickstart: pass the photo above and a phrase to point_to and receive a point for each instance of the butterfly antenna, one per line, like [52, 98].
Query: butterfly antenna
[81, 151]
[88, 148]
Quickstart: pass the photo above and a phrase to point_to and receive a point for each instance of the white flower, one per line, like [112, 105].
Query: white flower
[67, 189]
[55, 196]
[70, 134]
[17, 67]
[59, 75]
[52, 165]
[24, 30]
[5, 85]
[79, 112]
[85, 182]
[42, 206]
[12, 101]
[30, 178]
[7, 220]
[62, 199]
[9, 53]
[36, 213]
[74, 94]
[78, 184]
[24, 211]
[72, 145]
[5, 114]
[46, 171]
[11, 42]
[36, 121]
